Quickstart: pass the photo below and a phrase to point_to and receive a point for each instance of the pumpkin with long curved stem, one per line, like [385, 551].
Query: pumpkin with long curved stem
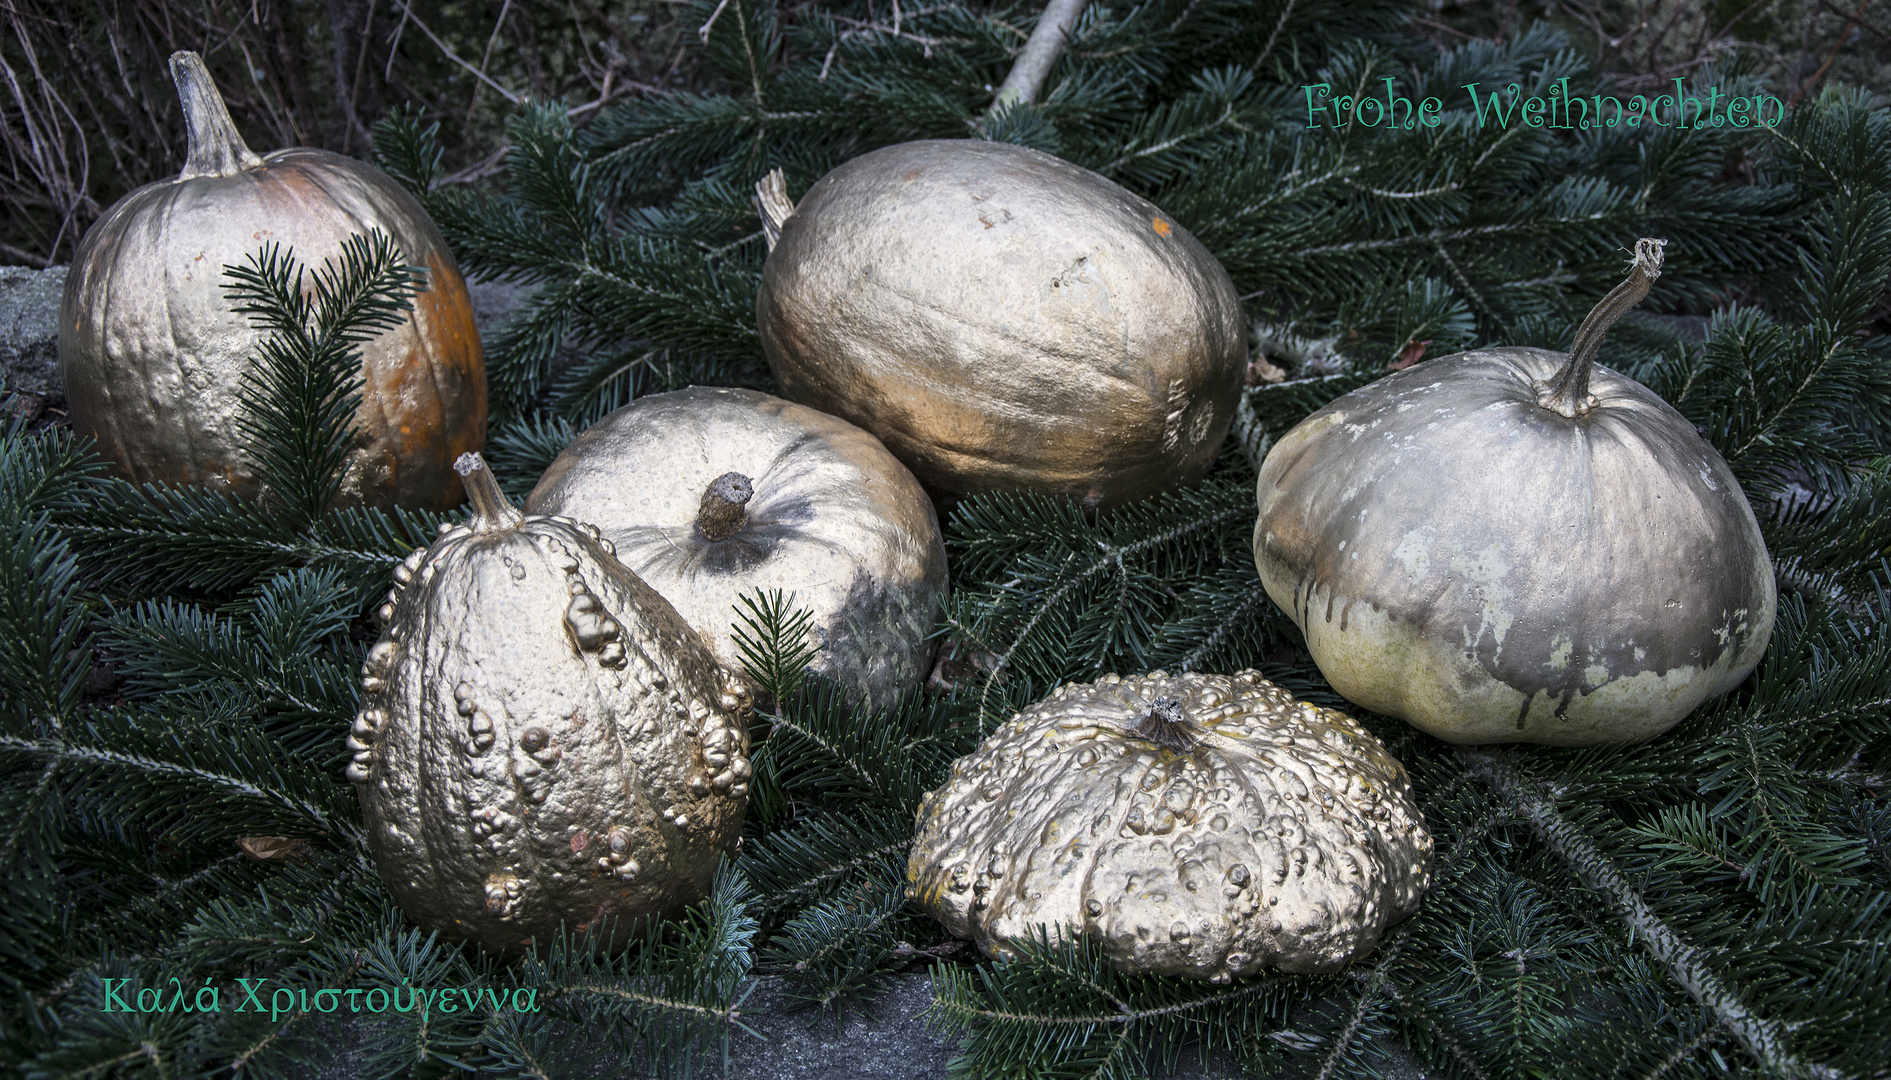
[154, 357]
[1512, 544]
[543, 741]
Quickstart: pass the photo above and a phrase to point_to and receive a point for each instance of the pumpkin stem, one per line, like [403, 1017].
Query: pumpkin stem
[1568, 392]
[724, 508]
[492, 511]
[773, 203]
[1167, 725]
[213, 147]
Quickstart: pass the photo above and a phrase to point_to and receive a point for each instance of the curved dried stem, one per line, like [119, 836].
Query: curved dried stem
[492, 511]
[1568, 392]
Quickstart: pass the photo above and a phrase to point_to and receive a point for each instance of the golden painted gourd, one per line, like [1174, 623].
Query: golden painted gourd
[1198, 825]
[542, 740]
[710, 493]
[154, 357]
[1513, 544]
[1003, 320]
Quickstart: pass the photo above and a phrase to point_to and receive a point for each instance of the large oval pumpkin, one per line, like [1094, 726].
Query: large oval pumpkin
[154, 357]
[1512, 544]
[1003, 320]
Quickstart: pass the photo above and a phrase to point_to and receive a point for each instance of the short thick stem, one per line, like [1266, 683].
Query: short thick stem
[1167, 725]
[724, 508]
[213, 147]
[492, 511]
[1568, 392]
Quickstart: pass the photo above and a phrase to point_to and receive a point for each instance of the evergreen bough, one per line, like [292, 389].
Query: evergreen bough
[177, 666]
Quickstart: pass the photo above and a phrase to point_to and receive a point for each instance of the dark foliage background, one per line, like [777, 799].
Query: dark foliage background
[178, 668]
[87, 112]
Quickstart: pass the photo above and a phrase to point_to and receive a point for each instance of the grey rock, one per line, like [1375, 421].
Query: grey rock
[29, 332]
[891, 1045]
[494, 301]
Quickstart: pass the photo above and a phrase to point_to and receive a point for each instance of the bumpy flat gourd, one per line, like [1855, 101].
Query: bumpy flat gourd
[1198, 825]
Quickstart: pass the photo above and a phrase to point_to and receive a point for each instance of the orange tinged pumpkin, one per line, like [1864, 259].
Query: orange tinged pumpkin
[154, 357]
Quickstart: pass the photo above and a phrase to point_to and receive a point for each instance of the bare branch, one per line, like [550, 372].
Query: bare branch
[1038, 56]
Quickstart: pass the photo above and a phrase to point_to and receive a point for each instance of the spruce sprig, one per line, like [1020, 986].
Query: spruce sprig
[1060, 1007]
[299, 401]
[300, 395]
[823, 854]
[772, 633]
[673, 999]
[837, 953]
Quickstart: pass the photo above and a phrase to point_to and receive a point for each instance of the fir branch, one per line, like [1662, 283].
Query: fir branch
[772, 634]
[48, 472]
[1083, 598]
[157, 540]
[820, 743]
[822, 854]
[285, 660]
[519, 453]
[408, 150]
[399, 955]
[836, 954]
[1061, 1004]
[45, 649]
[1764, 1039]
[235, 774]
[45, 646]
[677, 993]
[300, 396]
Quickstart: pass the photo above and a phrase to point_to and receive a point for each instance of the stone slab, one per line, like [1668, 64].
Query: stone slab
[29, 332]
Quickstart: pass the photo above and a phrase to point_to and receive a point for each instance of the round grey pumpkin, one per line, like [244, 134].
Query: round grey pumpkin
[1003, 320]
[710, 493]
[1512, 544]
[543, 741]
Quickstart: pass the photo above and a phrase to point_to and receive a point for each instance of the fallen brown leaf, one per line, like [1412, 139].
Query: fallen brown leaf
[1412, 353]
[1263, 370]
[273, 847]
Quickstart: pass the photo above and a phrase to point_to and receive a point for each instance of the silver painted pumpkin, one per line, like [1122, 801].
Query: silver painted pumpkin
[543, 740]
[1512, 544]
[709, 493]
[154, 357]
[1198, 825]
[1003, 320]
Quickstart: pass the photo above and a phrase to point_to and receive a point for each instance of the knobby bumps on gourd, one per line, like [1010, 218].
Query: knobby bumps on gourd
[546, 747]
